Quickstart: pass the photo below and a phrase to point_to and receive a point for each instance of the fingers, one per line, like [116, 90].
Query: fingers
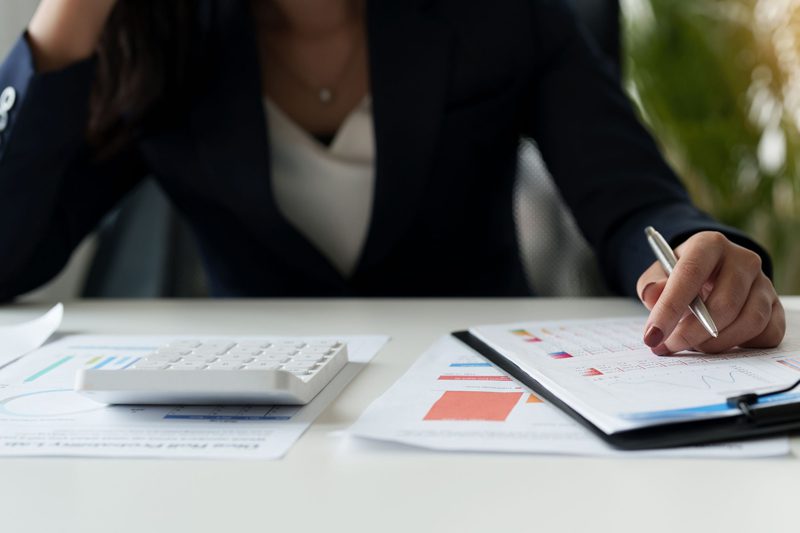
[732, 288]
[773, 333]
[753, 319]
[700, 256]
[651, 284]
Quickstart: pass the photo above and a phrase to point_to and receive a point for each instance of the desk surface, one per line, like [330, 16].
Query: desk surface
[321, 485]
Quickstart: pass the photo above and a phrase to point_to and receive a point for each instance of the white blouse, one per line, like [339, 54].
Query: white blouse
[325, 191]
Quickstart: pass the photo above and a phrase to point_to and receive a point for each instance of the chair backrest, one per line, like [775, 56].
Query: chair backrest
[557, 259]
[145, 250]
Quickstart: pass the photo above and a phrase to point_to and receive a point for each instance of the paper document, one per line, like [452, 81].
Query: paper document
[18, 339]
[452, 399]
[41, 415]
[603, 370]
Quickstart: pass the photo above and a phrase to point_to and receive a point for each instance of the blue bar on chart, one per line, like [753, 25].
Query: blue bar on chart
[50, 368]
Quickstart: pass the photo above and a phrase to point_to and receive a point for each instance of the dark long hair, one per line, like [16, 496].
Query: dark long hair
[142, 69]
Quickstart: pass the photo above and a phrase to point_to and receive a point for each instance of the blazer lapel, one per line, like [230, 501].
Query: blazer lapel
[408, 50]
[230, 129]
[408, 55]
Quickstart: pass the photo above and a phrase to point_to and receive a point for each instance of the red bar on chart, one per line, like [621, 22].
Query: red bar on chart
[473, 405]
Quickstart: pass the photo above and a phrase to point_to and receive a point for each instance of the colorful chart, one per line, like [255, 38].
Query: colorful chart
[794, 364]
[526, 335]
[99, 361]
[560, 355]
[472, 405]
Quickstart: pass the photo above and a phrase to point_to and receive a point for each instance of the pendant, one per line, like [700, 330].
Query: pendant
[325, 95]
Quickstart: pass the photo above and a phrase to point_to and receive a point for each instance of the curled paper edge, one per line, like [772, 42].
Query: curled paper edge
[17, 340]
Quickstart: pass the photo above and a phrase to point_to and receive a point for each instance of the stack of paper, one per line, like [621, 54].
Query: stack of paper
[602, 370]
[452, 399]
[41, 415]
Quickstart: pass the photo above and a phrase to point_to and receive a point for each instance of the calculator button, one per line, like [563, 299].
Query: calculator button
[162, 358]
[317, 350]
[149, 365]
[254, 345]
[288, 344]
[280, 350]
[324, 343]
[211, 350]
[225, 345]
[237, 358]
[262, 365]
[183, 344]
[273, 357]
[298, 366]
[308, 358]
[199, 358]
[187, 365]
[224, 365]
[238, 350]
[170, 350]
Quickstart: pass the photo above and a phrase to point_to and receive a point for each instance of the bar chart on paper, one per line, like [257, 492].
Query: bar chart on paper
[39, 410]
[40, 414]
[41, 388]
[473, 405]
[613, 380]
[452, 399]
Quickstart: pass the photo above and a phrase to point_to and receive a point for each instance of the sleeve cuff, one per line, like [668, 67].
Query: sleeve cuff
[676, 222]
[50, 109]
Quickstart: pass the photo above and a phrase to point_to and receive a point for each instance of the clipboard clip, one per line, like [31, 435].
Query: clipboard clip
[745, 402]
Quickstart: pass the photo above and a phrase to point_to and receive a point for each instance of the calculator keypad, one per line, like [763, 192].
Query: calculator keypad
[298, 357]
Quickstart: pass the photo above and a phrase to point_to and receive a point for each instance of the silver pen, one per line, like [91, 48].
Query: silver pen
[668, 260]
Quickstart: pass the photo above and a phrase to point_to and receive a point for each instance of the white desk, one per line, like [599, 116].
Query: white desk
[320, 487]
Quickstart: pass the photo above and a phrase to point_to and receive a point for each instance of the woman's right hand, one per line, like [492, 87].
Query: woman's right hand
[62, 32]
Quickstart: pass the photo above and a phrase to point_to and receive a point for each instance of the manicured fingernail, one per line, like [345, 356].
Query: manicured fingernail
[644, 291]
[653, 336]
[661, 349]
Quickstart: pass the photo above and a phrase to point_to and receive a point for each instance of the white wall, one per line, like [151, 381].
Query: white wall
[14, 16]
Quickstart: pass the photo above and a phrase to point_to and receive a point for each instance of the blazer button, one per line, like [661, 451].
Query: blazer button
[3, 121]
[7, 99]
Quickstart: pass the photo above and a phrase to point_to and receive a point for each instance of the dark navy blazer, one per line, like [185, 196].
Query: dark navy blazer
[454, 87]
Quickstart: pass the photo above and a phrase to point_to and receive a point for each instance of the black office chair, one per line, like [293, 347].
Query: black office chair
[557, 259]
[145, 250]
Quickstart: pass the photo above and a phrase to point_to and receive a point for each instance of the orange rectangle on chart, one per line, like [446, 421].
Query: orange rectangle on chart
[471, 405]
[533, 399]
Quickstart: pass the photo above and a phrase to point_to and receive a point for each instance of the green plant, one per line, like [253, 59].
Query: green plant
[719, 83]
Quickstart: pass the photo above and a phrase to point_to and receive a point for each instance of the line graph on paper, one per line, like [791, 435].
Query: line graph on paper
[705, 380]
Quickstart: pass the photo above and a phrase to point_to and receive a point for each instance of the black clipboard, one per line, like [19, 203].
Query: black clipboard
[754, 422]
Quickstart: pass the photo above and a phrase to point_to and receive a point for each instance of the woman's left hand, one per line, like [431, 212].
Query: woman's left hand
[740, 298]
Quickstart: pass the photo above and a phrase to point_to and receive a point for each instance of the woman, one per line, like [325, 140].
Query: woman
[332, 148]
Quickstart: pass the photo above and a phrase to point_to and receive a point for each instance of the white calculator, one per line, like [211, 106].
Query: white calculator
[209, 372]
